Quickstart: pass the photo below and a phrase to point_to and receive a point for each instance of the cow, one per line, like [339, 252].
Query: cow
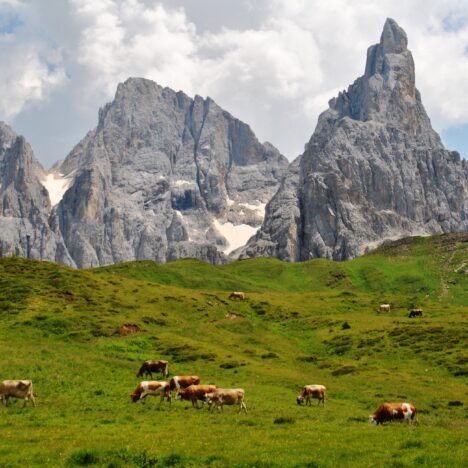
[183, 381]
[393, 411]
[415, 313]
[312, 391]
[226, 396]
[194, 393]
[384, 308]
[17, 389]
[153, 388]
[237, 295]
[150, 366]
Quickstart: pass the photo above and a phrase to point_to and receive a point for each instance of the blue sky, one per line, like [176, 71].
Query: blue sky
[274, 64]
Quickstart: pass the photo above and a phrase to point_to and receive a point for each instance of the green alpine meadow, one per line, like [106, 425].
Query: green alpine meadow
[81, 336]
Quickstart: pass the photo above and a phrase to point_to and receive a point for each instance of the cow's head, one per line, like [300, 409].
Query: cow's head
[300, 399]
[134, 397]
[208, 398]
[372, 420]
[178, 396]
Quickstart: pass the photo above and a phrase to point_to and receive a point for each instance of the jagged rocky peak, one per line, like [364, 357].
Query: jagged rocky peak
[374, 169]
[27, 227]
[164, 176]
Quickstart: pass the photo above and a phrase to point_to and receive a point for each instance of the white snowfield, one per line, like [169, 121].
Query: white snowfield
[56, 184]
[237, 236]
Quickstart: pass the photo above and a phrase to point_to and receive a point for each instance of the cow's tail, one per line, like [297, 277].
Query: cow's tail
[166, 370]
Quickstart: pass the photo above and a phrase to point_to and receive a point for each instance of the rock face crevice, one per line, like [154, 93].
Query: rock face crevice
[374, 169]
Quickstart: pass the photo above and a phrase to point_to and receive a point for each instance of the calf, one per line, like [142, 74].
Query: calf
[183, 381]
[150, 366]
[392, 412]
[194, 393]
[384, 308]
[312, 391]
[226, 396]
[17, 389]
[153, 388]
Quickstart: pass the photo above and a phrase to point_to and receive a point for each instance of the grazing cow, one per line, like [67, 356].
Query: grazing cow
[226, 396]
[150, 366]
[153, 388]
[194, 393]
[312, 391]
[17, 389]
[393, 411]
[384, 308]
[183, 381]
[415, 313]
[237, 295]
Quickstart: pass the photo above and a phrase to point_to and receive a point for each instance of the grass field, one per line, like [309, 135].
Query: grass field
[303, 323]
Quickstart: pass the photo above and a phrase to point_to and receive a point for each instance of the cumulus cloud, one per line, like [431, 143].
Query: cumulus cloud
[277, 73]
[30, 68]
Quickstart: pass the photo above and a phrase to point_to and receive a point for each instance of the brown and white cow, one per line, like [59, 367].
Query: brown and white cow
[226, 396]
[237, 295]
[183, 381]
[17, 389]
[150, 366]
[194, 393]
[384, 308]
[153, 388]
[312, 391]
[392, 412]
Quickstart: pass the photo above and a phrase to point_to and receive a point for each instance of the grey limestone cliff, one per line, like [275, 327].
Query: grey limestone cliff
[28, 227]
[164, 176]
[374, 169]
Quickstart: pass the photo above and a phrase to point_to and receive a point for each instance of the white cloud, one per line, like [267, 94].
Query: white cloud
[128, 38]
[30, 69]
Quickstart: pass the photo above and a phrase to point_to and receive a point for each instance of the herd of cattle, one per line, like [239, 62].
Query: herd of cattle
[188, 387]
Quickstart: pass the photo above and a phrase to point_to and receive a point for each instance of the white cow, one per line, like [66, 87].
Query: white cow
[17, 389]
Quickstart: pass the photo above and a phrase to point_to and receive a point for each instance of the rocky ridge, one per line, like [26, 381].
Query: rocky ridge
[162, 176]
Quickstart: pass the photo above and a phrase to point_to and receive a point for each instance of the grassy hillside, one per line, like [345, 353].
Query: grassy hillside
[313, 322]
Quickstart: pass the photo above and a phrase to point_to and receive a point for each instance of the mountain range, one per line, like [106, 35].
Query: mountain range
[164, 176]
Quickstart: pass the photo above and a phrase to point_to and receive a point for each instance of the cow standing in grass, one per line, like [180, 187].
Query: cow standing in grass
[226, 396]
[312, 391]
[150, 366]
[415, 313]
[183, 381]
[237, 295]
[194, 393]
[393, 412]
[153, 388]
[384, 308]
[17, 389]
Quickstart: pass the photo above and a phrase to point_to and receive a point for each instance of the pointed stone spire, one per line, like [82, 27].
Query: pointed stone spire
[393, 39]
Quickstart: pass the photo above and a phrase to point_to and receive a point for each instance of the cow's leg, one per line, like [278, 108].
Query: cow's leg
[33, 399]
[4, 400]
[242, 407]
[143, 397]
